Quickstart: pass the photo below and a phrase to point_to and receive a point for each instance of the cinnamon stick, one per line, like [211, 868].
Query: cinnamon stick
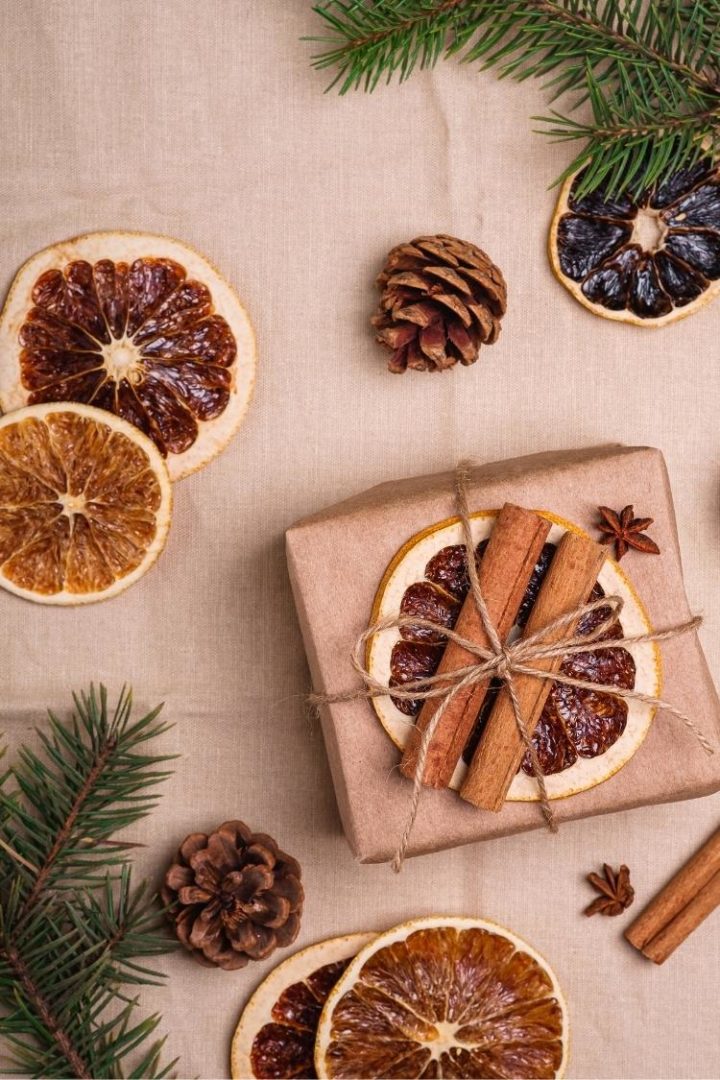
[681, 906]
[504, 573]
[567, 584]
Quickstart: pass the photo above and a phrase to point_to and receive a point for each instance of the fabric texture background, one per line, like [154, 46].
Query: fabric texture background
[205, 121]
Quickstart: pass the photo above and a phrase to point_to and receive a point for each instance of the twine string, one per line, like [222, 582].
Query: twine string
[502, 661]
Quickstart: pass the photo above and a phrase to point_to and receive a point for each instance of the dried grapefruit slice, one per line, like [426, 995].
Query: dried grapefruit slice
[650, 260]
[444, 997]
[277, 1029]
[137, 324]
[85, 503]
[583, 737]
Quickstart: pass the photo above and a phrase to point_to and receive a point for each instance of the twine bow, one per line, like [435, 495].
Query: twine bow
[502, 661]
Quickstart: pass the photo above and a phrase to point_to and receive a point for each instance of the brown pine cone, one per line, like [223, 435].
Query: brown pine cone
[233, 896]
[441, 299]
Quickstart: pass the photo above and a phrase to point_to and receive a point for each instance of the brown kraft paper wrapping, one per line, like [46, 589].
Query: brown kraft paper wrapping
[336, 560]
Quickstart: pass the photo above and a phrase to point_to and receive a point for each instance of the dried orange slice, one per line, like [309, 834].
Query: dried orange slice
[649, 260]
[583, 737]
[276, 1033]
[444, 997]
[85, 503]
[139, 325]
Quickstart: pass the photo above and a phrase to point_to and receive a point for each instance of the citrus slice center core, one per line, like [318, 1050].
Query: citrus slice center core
[648, 230]
[440, 1037]
[122, 360]
[72, 504]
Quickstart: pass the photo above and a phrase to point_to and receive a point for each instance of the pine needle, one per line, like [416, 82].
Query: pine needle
[648, 72]
[73, 929]
[18, 857]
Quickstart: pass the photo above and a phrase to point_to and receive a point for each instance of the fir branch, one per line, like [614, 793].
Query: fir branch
[73, 931]
[65, 831]
[649, 71]
[92, 782]
[44, 1012]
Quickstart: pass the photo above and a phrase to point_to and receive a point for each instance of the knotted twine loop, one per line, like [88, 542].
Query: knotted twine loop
[502, 661]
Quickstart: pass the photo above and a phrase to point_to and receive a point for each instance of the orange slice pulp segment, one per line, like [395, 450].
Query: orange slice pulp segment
[444, 997]
[85, 503]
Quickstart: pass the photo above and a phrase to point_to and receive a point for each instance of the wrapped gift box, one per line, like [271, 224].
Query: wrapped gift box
[337, 559]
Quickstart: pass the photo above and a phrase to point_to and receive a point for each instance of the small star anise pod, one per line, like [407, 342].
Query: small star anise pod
[626, 531]
[616, 892]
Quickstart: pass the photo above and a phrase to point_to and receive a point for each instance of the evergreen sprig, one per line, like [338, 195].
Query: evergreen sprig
[649, 71]
[75, 935]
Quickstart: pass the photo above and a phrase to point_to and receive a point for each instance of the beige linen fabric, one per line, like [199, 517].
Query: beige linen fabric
[204, 120]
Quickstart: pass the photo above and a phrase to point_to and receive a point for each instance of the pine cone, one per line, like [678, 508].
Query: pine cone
[233, 896]
[441, 299]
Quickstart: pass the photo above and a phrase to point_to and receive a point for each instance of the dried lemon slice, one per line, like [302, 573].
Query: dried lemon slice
[444, 996]
[583, 737]
[85, 504]
[137, 324]
[277, 1029]
[649, 260]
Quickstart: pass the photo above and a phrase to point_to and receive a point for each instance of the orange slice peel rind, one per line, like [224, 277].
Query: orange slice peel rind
[444, 996]
[406, 572]
[276, 1032]
[648, 261]
[140, 325]
[85, 504]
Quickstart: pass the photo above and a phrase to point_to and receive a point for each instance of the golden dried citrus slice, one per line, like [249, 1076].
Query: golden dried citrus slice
[444, 997]
[649, 260]
[137, 324]
[276, 1033]
[583, 737]
[85, 503]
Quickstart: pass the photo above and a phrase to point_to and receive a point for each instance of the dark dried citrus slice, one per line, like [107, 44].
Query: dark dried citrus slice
[444, 997]
[649, 260]
[85, 504]
[583, 736]
[276, 1033]
[139, 325]
[574, 722]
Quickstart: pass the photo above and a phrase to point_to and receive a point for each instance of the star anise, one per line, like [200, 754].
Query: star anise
[616, 892]
[626, 531]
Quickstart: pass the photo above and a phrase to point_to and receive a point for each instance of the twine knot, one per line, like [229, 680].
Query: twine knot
[504, 662]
